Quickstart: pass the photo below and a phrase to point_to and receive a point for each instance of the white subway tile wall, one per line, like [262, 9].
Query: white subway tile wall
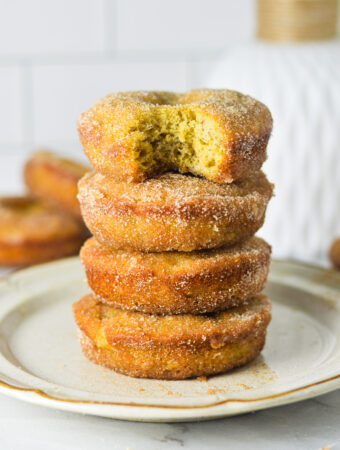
[182, 25]
[40, 27]
[11, 105]
[58, 56]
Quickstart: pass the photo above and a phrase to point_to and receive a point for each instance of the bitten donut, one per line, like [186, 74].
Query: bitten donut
[172, 347]
[54, 179]
[219, 134]
[172, 211]
[177, 282]
[32, 232]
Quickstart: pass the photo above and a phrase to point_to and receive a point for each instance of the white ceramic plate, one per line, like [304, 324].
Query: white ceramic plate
[41, 361]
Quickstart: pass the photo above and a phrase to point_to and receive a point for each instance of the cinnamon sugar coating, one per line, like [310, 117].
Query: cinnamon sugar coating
[177, 282]
[172, 211]
[172, 347]
[219, 134]
[54, 179]
[33, 232]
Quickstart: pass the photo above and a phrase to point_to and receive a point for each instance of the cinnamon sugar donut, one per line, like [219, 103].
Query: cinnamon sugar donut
[54, 179]
[177, 282]
[32, 232]
[172, 211]
[172, 347]
[219, 134]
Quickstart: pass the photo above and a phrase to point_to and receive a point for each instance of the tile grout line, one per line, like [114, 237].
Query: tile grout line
[108, 56]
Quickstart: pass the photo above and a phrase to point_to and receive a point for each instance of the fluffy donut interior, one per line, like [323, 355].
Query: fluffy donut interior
[179, 139]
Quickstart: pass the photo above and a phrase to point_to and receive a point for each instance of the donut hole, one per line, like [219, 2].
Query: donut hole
[178, 139]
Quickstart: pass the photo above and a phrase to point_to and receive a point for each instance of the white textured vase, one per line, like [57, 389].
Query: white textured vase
[300, 83]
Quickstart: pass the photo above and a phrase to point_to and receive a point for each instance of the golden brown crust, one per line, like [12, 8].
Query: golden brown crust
[334, 253]
[172, 347]
[172, 211]
[109, 131]
[32, 232]
[177, 283]
[54, 179]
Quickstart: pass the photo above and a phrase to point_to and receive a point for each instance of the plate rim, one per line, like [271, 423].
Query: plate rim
[170, 413]
[167, 412]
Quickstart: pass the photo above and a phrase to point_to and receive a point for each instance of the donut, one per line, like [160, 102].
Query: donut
[54, 179]
[177, 282]
[171, 347]
[32, 232]
[334, 254]
[172, 211]
[221, 135]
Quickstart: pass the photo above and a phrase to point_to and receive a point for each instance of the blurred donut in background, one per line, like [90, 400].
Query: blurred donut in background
[33, 232]
[54, 179]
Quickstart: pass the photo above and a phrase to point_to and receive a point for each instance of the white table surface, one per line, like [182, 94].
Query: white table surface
[312, 424]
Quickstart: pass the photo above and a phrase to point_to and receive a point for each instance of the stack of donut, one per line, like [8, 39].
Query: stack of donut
[176, 197]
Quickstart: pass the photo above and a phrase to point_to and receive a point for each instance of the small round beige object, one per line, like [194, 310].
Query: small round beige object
[296, 20]
[334, 253]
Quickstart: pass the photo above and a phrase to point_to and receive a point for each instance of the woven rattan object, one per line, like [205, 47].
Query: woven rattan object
[296, 20]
